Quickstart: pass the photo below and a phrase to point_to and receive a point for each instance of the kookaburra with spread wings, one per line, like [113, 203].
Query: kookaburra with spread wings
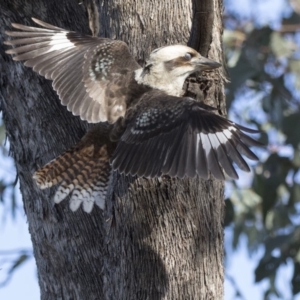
[152, 130]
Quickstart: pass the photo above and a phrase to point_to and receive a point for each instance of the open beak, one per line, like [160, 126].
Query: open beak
[204, 63]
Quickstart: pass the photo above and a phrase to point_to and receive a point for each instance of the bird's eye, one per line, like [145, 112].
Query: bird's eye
[188, 56]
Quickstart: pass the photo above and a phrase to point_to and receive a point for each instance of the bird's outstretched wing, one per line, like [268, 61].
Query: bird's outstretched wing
[180, 137]
[90, 74]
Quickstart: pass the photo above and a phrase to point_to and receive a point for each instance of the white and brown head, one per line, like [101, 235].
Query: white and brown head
[168, 67]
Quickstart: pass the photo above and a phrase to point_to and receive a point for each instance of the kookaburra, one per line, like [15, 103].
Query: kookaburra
[151, 130]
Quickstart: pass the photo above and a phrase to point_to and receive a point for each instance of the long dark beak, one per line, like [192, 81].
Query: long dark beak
[204, 63]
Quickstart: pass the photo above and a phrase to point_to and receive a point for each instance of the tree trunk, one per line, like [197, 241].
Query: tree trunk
[157, 239]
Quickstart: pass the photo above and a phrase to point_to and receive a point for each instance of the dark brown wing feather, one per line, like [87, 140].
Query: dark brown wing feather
[180, 137]
[90, 74]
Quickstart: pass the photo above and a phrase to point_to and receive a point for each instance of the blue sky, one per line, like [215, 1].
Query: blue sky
[14, 235]
[261, 11]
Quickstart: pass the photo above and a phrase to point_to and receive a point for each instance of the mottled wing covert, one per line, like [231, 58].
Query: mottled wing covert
[180, 137]
[89, 74]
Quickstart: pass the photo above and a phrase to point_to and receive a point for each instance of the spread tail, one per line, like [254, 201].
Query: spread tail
[82, 171]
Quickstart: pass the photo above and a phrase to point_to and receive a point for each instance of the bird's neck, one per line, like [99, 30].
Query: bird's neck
[160, 80]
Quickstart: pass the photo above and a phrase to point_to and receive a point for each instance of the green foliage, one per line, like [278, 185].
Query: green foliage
[7, 187]
[2, 134]
[13, 259]
[264, 62]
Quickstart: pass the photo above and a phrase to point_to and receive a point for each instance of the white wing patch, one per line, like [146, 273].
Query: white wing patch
[60, 41]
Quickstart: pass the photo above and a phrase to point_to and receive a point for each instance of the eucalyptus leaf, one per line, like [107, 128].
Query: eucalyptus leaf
[267, 266]
[296, 278]
[280, 46]
[2, 133]
[291, 128]
[294, 66]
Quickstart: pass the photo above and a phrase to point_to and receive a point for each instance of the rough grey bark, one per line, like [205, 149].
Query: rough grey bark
[158, 239]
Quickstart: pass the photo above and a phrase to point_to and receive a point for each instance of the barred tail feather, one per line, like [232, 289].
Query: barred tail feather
[83, 172]
[54, 172]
